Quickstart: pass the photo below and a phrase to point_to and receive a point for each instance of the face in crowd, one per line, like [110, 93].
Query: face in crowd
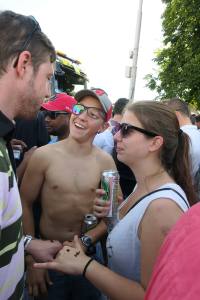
[87, 119]
[57, 122]
[28, 61]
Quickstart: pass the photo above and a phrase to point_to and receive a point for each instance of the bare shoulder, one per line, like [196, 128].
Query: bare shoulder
[162, 213]
[41, 156]
[105, 159]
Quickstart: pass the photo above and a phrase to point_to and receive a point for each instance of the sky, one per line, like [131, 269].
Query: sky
[101, 35]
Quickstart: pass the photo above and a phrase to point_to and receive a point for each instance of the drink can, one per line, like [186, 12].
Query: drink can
[16, 153]
[89, 222]
[110, 183]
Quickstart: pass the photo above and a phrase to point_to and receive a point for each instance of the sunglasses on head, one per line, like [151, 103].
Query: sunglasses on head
[93, 112]
[126, 129]
[28, 39]
[53, 114]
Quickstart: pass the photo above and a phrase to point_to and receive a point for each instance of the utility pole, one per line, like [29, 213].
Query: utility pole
[135, 53]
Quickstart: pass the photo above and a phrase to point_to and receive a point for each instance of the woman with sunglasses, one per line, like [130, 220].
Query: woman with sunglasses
[150, 142]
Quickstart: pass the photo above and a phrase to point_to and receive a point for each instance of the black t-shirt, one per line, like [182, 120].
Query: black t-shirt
[32, 132]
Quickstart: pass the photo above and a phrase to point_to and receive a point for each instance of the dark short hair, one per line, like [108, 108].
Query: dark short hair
[178, 105]
[14, 31]
[197, 118]
[119, 106]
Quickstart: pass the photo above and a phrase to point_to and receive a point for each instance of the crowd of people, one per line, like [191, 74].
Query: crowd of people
[48, 184]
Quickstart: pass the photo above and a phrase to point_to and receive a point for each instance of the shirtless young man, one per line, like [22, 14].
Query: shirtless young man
[66, 175]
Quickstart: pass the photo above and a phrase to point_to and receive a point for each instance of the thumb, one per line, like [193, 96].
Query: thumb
[77, 243]
[48, 265]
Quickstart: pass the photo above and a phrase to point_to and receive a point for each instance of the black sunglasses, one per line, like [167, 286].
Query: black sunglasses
[125, 129]
[53, 114]
[28, 39]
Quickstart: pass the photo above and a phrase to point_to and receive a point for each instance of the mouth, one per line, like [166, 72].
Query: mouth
[118, 150]
[77, 125]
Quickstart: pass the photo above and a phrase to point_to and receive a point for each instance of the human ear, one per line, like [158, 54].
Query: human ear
[156, 143]
[104, 126]
[24, 60]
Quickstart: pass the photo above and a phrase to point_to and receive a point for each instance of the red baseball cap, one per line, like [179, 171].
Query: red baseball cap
[61, 102]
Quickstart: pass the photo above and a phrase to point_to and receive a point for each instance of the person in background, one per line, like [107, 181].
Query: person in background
[105, 141]
[127, 178]
[193, 119]
[197, 119]
[28, 135]
[150, 142]
[65, 176]
[182, 112]
[57, 113]
[26, 66]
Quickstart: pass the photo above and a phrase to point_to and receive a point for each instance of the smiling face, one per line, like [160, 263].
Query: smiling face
[82, 126]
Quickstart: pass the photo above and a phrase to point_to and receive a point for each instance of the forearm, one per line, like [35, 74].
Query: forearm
[113, 285]
[28, 220]
[20, 171]
[98, 232]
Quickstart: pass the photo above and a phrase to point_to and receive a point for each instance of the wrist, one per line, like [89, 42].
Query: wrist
[29, 260]
[28, 244]
[86, 241]
[87, 266]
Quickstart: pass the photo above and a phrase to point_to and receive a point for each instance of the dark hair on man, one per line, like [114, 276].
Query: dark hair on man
[197, 118]
[159, 118]
[19, 33]
[177, 104]
[119, 106]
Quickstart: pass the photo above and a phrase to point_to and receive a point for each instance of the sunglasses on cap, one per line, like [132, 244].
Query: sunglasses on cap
[53, 114]
[93, 112]
[28, 39]
[126, 129]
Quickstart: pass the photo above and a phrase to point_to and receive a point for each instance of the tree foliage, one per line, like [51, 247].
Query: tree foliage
[178, 61]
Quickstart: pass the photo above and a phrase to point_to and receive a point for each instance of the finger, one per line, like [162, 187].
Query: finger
[100, 215]
[77, 243]
[67, 243]
[120, 199]
[98, 208]
[100, 192]
[48, 265]
[30, 290]
[43, 288]
[57, 244]
[48, 279]
[102, 210]
[35, 291]
[23, 144]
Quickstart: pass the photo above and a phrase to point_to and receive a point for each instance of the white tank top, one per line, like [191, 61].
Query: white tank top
[123, 244]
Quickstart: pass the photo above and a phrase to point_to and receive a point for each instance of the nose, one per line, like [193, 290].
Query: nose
[47, 119]
[118, 136]
[83, 115]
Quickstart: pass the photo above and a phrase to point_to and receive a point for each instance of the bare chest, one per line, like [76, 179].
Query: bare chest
[76, 176]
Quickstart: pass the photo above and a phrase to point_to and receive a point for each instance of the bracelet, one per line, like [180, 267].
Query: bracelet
[27, 240]
[86, 266]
